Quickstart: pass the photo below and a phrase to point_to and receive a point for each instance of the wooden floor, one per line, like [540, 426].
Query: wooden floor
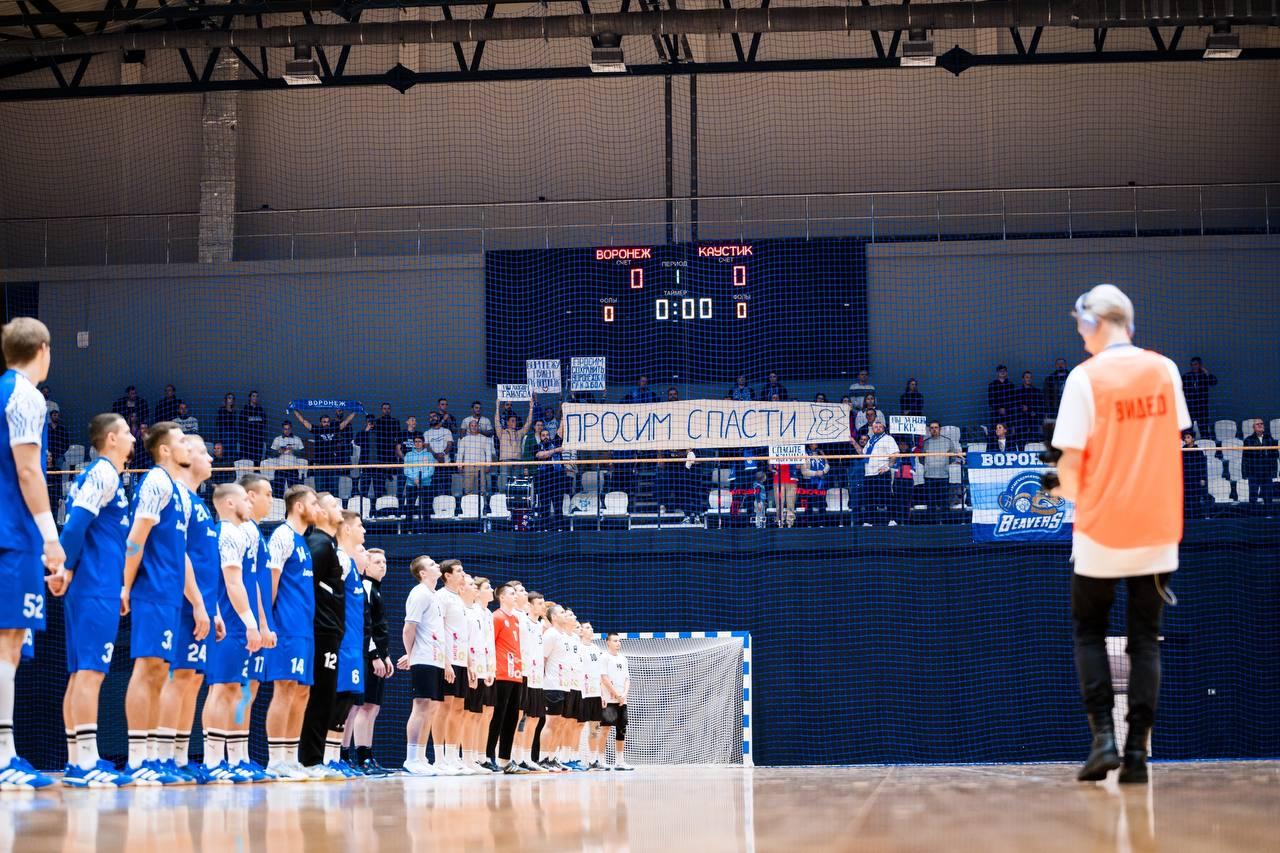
[1189, 807]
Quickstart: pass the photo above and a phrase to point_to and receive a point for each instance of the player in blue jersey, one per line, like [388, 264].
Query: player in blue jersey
[289, 666]
[157, 575]
[93, 537]
[27, 530]
[226, 751]
[178, 697]
[355, 640]
[258, 585]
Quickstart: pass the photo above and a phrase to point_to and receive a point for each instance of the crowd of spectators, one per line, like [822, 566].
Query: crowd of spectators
[882, 486]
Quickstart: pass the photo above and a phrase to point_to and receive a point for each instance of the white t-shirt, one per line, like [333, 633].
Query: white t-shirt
[437, 439]
[531, 649]
[1071, 431]
[454, 616]
[422, 608]
[572, 677]
[475, 448]
[482, 423]
[879, 449]
[554, 650]
[590, 670]
[290, 441]
[615, 668]
[480, 651]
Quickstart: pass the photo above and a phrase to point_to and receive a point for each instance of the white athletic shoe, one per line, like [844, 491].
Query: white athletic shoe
[419, 767]
[622, 765]
[289, 771]
[444, 768]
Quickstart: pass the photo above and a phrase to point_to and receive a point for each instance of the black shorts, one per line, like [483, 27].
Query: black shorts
[571, 703]
[428, 681]
[589, 710]
[534, 702]
[478, 697]
[373, 687]
[555, 702]
[459, 686]
[621, 723]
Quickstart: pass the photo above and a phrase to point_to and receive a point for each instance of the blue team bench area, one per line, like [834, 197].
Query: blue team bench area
[906, 644]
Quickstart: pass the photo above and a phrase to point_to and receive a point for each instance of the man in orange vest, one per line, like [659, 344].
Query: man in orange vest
[1117, 430]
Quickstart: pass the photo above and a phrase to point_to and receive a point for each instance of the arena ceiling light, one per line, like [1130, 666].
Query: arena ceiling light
[1222, 43]
[918, 51]
[606, 54]
[302, 70]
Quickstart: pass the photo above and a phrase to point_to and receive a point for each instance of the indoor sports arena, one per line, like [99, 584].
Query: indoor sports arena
[694, 425]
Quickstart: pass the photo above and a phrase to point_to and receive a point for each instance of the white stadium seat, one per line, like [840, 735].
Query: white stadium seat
[443, 507]
[387, 502]
[277, 510]
[615, 504]
[360, 505]
[1232, 453]
[1222, 430]
[472, 507]
[498, 507]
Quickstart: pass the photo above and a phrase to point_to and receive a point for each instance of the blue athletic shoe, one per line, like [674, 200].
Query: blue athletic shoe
[251, 773]
[258, 768]
[75, 776]
[199, 772]
[171, 767]
[162, 774]
[19, 775]
[223, 774]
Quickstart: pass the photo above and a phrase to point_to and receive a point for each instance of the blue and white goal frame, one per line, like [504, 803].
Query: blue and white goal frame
[745, 636]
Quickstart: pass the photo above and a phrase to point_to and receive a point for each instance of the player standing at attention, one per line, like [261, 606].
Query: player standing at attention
[425, 659]
[178, 696]
[328, 625]
[157, 576]
[555, 653]
[1117, 434]
[351, 651]
[531, 607]
[257, 582]
[378, 668]
[289, 665]
[589, 710]
[27, 530]
[449, 718]
[507, 683]
[572, 732]
[478, 705]
[615, 683]
[93, 538]
[226, 743]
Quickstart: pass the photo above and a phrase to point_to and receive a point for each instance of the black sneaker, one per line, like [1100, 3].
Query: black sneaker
[531, 768]
[488, 764]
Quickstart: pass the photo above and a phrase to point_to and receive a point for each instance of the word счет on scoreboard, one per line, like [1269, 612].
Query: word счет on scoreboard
[681, 293]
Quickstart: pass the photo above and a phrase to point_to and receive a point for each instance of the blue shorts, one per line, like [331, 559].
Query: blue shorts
[192, 653]
[228, 661]
[350, 673]
[258, 666]
[91, 625]
[153, 629]
[29, 645]
[22, 579]
[291, 660]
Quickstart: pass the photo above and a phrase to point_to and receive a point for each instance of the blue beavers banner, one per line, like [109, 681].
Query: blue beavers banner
[1008, 504]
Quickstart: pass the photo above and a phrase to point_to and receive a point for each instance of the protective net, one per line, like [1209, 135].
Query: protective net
[787, 259]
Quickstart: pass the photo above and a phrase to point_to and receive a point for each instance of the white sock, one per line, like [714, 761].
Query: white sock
[237, 747]
[449, 754]
[276, 754]
[332, 750]
[215, 747]
[182, 748]
[421, 754]
[517, 754]
[137, 747]
[164, 743]
[153, 746]
[8, 672]
[411, 751]
[292, 752]
[87, 746]
[73, 753]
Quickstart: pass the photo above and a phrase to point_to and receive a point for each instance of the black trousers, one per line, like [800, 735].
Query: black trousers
[506, 713]
[1091, 600]
[320, 704]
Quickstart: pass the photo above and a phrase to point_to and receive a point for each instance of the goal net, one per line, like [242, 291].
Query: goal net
[690, 698]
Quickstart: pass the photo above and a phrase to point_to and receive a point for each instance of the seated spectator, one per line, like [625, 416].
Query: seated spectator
[643, 393]
[1000, 396]
[861, 387]
[511, 439]
[935, 468]
[912, 401]
[227, 426]
[1195, 477]
[1028, 402]
[773, 386]
[439, 440]
[673, 395]
[185, 420]
[285, 464]
[877, 500]
[167, 408]
[473, 450]
[485, 425]
[550, 482]
[331, 445]
[253, 427]
[131, 405]
[286, 439]
[223, 466]
[1003, 442]
[419, 469]
[447, 421]
[1259, 466]
[1053, 387]
[741, 390]
[141, 458]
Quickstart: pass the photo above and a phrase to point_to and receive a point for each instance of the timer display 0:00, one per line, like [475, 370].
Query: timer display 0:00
[690, 309]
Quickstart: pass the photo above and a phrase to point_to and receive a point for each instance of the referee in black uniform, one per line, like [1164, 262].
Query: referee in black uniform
[330, 620]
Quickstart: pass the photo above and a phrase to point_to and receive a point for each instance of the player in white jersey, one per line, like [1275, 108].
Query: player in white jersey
[447, 726]
[530, 608]
[424, 657]
[615, 684]
[572, 732]
[558, 680]
[589, 710]
[481, 663]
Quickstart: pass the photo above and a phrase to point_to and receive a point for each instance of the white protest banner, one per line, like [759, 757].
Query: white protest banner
[513, 393]
[689, 424]
[544, 375]
[586, 373]
[786, 452]
[907, 425]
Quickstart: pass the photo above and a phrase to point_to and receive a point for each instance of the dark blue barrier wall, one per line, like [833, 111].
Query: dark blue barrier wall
[869, 645]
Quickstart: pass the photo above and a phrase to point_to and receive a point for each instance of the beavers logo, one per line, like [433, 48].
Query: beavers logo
[1024, 506]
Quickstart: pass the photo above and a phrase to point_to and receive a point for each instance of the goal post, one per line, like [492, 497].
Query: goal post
[690, 700]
